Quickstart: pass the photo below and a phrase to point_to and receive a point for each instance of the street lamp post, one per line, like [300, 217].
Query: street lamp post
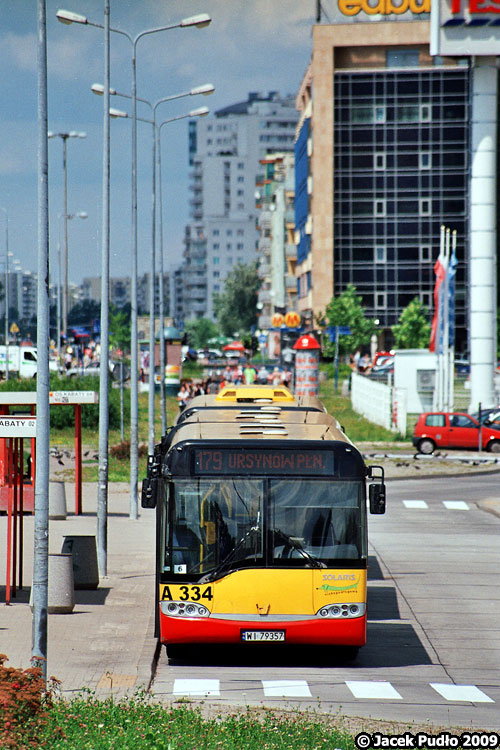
[200, 112]
[6, 292]
[64, 137]
[199, 21]
[67, 217]
[204, 90]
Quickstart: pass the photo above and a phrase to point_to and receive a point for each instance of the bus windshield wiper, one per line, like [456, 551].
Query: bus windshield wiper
[223, 563]
[295, 544]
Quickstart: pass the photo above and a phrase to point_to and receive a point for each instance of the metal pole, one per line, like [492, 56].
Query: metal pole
[134, 367]
[58, 347]
[65, 238]
[152, 337]
[41, 531]
[7, 297]
[122, 434]
[161, 300]
[102, 499]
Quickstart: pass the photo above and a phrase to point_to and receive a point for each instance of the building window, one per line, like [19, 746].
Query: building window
[229, 246]
[376, 114]
[425, 253]
[379, 208]
[229, 232]
[241, 165]
[379, 160]
[425, 160]
[380, 254]
[216, 260]
[426, 299]
[216, 274]
[424, 207]
[402, 58]
[240, 246]
[380, 300]
[425, 113]
[408, 113]
[215, 246]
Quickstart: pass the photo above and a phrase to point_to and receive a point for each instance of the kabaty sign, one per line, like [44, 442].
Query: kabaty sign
[465, 28]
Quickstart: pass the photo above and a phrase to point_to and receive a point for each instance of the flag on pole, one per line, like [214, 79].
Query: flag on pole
[440, 268]
[452, 271]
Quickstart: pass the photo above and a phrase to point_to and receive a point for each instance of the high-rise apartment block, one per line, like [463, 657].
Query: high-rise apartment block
[225, 154]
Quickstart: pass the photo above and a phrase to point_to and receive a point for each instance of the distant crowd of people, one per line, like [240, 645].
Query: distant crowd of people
[236, 375]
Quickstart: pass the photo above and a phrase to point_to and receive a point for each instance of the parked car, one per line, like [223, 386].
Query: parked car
[489, 417]
[453, 430]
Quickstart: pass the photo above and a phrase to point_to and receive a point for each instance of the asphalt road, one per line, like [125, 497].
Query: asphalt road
[433, 651]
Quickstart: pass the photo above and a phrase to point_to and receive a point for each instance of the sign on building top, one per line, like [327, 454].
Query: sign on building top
[380, 10]
[465, 28]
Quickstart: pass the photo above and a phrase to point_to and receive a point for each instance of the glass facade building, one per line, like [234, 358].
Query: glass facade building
[400, 170]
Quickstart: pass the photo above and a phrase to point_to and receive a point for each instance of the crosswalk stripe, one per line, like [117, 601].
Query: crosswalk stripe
[415, 503]
[376, 690]
[196, 687]
[455, 505]
[286, 688]
[468, 693]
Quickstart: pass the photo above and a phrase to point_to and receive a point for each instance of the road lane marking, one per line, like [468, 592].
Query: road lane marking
[468, 693]
[286, 689]
[377, 690]
[415, 503]
[455, 505]
[196, 687]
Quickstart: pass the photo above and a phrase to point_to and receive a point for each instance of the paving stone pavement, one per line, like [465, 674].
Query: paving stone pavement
[107, 643]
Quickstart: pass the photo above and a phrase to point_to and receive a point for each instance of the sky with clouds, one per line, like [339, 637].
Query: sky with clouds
[251, 45]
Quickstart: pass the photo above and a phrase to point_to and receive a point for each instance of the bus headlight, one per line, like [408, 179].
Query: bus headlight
[342, 611]
[184, 609]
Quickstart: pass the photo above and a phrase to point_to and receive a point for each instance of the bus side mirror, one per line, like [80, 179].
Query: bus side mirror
[377, 498]
[148, 493]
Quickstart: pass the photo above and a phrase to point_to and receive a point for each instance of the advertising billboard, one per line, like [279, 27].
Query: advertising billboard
[464, 28]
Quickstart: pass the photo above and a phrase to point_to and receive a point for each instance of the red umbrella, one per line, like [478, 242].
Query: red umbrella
[234, 346]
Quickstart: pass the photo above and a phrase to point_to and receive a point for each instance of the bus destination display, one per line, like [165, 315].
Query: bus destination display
[254, 461]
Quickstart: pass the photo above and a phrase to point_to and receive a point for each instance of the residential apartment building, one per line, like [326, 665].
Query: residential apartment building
[119, 291]
[277, 251]
[225, 154]
[381, 164]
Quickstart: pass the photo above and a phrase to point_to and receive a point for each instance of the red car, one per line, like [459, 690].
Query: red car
[453, 430]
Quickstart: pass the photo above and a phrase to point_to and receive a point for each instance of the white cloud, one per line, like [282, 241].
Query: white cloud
[19, 51]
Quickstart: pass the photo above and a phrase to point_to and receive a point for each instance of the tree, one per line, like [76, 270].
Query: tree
[413, 330]
[119, 327]
[199, 332]
[236, 307]
[346, 310]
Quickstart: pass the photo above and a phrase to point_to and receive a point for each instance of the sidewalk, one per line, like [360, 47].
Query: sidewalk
[106, 644]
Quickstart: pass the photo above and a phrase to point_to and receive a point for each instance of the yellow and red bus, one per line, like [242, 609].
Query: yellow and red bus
[261, 529]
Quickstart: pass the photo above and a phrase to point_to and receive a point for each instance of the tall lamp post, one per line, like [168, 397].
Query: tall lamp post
[6, 292]
[64, 137]
[205, 90]
[66, 217]
[200, 112]
[199, 21]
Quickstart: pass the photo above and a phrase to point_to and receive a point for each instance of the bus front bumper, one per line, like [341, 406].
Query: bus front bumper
[327, 631]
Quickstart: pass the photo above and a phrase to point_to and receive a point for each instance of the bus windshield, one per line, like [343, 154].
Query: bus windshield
[210, 526]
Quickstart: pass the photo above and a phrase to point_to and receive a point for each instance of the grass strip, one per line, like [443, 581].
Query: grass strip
[139, 724]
